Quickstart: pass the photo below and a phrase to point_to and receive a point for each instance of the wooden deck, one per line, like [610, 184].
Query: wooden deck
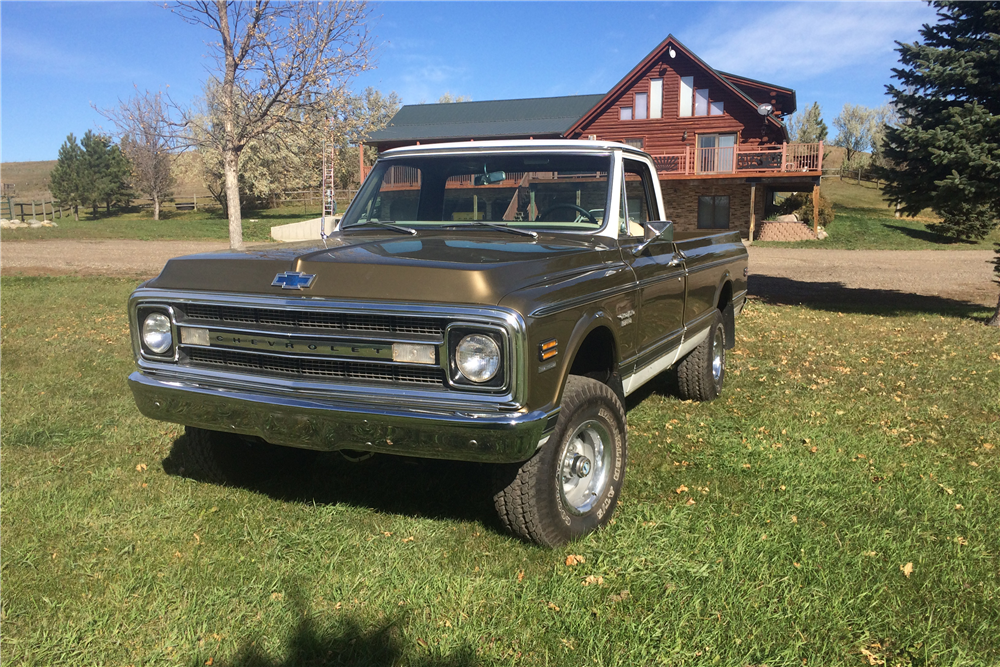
[783, 159]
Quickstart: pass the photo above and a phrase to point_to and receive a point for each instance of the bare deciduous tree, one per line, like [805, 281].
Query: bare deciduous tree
[146, 135]
[275, 63]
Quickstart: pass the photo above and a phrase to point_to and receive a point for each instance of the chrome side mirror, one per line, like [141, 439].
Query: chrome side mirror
[655, 230]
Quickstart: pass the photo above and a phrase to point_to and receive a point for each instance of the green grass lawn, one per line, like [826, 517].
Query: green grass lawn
[839, 501]
[864, 221]
[183, 226]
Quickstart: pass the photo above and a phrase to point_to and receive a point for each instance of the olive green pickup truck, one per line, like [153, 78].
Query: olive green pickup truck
[483, 301]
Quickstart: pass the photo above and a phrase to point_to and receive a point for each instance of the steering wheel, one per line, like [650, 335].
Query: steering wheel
[579, 209]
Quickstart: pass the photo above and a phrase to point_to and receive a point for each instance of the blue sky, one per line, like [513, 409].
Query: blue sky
[57, 59]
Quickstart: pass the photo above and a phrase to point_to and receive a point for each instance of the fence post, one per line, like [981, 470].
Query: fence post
[195, 197]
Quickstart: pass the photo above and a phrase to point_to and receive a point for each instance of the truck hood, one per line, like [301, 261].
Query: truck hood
[468, 267]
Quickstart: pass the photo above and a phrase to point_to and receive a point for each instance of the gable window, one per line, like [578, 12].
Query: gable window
[701, 102]
[634, 143]
[716, 109]
[687, 93]
[625, 113]
[713, 212]
[656, 98]
[641, 105]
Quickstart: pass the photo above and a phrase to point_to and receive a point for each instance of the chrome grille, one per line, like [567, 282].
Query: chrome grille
[303, 319]
[348, 370]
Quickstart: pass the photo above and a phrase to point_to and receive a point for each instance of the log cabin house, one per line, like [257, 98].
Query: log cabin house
[718, 139]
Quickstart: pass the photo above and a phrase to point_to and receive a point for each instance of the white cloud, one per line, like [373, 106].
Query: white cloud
[426, 78]
[782, 42]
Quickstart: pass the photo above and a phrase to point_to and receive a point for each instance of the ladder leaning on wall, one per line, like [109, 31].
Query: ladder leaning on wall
[329, 194]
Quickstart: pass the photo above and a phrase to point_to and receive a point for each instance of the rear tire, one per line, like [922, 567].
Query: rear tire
[570, 487]
[701, 374]
[230, 458]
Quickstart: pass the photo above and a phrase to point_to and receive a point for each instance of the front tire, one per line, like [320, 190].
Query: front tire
[571, 486]
[701, 374]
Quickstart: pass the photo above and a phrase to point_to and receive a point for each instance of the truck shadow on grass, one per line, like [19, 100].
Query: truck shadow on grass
[837, 297]
[437, 489]
[342, 640]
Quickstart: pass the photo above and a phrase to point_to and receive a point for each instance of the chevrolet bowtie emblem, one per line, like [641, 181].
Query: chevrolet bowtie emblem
[294, 280]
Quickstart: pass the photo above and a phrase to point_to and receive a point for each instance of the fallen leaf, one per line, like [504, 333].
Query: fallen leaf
[987, 446]
[950, 492]
[681, 489]
[197, 539]
[620, 596]
[961, 540]
[574, 559]
[764, 536]
[690, 502]
[795, 519]
[593, 580]
[872, 658]
[907, 569]
[141, 467]
[553, 607]
[520, 576]
[421, 642]
[973, 464]
[408, 539]
[277, 596]
[958, 506]
[387, 533]
[870, 554]
[796, 565]
[746, 465]
[210, 661]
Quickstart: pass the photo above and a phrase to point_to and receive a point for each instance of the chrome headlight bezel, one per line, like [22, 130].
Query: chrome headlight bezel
[142, 313]
[497, 336]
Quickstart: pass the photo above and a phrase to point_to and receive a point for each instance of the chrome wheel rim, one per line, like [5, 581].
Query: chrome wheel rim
[584, 465]
[718, 355]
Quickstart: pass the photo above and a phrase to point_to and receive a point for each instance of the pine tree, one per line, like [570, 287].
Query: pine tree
[945, 152]
[66, 181]
[812, 129]
[104, 172]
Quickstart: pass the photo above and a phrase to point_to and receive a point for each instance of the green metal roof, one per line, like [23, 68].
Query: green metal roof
[532, 117]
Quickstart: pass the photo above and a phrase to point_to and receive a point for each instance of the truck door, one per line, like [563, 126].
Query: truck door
[658, 268]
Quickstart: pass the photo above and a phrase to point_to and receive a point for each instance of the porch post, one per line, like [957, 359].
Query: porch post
[820, 167]
[816, 209]
[361, 163]
[753, 209]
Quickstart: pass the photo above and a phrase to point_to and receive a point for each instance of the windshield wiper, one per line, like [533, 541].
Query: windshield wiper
[388, 224]
[502, 228]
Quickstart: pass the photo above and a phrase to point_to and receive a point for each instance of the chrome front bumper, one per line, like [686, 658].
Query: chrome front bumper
[311, 423]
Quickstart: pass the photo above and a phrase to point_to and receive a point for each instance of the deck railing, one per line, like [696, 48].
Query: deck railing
[743, 159]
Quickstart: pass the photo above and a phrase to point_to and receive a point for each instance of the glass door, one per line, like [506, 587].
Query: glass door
[715, 153]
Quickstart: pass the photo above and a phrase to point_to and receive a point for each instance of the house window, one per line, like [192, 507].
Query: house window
[716, 109]
[701, 102]
[656, 98]
[625, 113]
[713, 212]
[641, 105]
[687, 93]
[634, 143]
[715, 153]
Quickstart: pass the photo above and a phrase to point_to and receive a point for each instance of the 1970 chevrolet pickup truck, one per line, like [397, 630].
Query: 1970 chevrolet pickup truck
[481, 301]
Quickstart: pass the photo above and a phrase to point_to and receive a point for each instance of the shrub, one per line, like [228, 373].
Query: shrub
[800, 203]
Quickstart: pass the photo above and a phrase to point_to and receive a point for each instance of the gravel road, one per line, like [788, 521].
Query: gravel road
[915, 278]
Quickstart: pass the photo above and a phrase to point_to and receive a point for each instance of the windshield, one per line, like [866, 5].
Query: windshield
[527, 190]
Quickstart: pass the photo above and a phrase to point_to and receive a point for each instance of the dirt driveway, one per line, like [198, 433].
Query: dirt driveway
[921, 278]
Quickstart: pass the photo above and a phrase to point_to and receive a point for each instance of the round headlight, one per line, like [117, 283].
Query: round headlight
[156, 333]
[478, 357]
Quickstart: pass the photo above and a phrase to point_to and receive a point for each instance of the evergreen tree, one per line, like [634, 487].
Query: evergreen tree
[945, 152]
[811, 129]
[66, 179]
[104, 172]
